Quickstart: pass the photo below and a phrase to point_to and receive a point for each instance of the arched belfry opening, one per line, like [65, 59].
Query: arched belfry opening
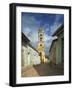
[41, 45]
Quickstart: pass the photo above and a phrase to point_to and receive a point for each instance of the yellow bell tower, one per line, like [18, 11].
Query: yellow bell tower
[41, 45]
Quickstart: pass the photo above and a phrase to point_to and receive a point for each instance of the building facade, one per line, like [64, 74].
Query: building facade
[56, 52]
[29, 55]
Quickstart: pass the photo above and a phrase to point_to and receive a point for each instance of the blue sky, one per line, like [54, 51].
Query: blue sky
[31, 22]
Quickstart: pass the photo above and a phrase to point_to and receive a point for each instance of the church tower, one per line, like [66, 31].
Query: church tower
[41, 45]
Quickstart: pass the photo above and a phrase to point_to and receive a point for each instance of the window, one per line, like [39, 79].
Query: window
[40, 38]
[40, 34]
[40, 44]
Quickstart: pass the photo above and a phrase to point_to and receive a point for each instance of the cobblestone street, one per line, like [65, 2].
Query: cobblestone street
[42, 70]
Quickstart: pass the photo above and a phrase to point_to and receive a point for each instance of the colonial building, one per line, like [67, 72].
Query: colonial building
[29, 55]
[56, 52]
[41, 45]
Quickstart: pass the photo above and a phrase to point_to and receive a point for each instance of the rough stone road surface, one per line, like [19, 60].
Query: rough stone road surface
[42, 70]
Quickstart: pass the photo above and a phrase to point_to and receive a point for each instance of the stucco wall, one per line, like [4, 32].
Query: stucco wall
[29, 56]
[52, 55]
[59, 49]
[55, 53]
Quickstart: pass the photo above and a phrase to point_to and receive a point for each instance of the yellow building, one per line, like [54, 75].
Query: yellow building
[41, 45]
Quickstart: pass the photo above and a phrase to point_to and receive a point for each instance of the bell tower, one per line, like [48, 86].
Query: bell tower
[41, 45]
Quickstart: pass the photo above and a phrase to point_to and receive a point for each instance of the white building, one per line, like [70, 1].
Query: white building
[30, 55]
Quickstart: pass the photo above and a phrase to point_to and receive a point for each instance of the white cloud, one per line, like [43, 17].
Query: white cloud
[26, 30]
[30, 29]
[55, 27]
[34, 36]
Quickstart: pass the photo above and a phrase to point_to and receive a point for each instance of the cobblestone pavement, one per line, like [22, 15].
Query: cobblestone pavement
[42, 70]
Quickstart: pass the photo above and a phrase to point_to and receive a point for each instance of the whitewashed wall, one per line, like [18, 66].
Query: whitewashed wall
[29, 56]
[34, 56]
